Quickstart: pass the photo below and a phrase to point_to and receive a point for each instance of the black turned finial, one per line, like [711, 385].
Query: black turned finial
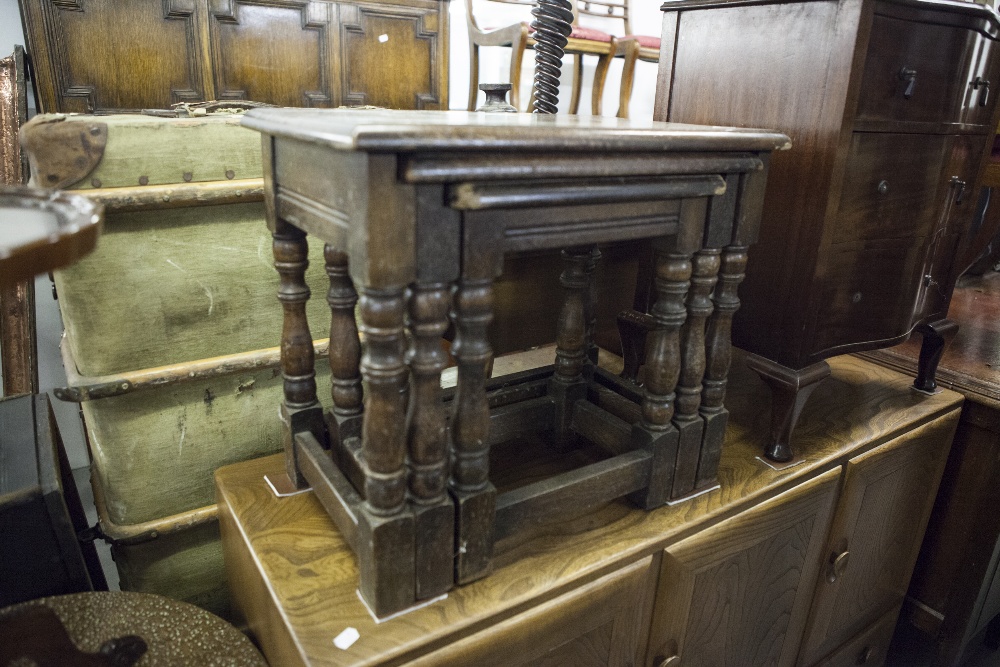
[496, 98]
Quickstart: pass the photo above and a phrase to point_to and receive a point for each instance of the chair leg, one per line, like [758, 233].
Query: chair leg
[516, 60]
[574, 100]
[600, 76]
[473, 74]
[628, 78]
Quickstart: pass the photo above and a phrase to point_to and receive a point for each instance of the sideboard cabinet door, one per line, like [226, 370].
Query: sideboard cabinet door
[876, 533]
[600, 624]
[738, 593]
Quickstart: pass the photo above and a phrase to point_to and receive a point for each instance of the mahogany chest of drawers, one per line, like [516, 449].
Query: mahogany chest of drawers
[890, 105]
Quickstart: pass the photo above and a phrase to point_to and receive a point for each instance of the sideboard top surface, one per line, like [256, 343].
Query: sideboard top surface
[313, 574]
[385, 130]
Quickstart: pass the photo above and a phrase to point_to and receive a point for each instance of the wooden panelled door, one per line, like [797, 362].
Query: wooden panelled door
[738, 594]
[97, 56]
[876, 534]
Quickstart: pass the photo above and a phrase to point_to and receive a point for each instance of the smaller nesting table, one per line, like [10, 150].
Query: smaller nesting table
[417, 210]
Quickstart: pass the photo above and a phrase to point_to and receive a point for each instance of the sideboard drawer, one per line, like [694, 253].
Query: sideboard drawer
[982, 79]
[603, 623]
[861, 292]
[915, 72]
[869, 647]
[891, 187]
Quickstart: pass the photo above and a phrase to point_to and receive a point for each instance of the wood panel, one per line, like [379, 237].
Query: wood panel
[864, 304]
[743, 80]
[602, 623]
[870, 647]
[272, 50]
[149, 54]
[738, 593]
[891, 187]
[881, 515]
[390, 56]
[935, 54]
[90, 55]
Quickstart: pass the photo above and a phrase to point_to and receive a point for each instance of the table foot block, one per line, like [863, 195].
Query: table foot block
[474, 515]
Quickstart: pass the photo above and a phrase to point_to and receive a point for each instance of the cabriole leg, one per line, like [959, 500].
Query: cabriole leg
[790, 389]
[935, 336]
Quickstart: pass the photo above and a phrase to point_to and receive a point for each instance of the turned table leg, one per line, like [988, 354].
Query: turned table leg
[568, 385]
[475, 496]
[433, 511]
[655, 432]
[790, 389]
[385, 524]
[935, 336]
[718, 356]
[300, 409]
[344, 422]
[687, 419]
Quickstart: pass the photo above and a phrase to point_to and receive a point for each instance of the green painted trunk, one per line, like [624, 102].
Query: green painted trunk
[171, 286]
[154, 451]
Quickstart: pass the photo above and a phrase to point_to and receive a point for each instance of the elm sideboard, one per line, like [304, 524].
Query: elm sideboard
[752, 573]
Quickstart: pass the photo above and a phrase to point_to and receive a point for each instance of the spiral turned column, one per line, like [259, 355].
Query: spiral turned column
[300, 409]
[552, 27]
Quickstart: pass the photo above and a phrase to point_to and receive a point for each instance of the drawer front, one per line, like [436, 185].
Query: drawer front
[915, 72]
[892, 187]
[599, 624]
[870, 293]
[982, 79]
[869, 647]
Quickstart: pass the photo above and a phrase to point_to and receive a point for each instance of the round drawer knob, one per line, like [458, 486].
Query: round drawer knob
[883, 187]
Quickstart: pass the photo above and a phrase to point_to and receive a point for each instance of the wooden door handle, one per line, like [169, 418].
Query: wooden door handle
[909, 75]
[984, 96]
[838, 563]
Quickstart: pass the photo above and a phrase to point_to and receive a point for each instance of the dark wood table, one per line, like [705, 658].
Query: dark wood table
[417, 211]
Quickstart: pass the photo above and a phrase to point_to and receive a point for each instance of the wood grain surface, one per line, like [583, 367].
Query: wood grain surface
[283, 52]
[738, 593]
[880, 519]
[295, 578]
